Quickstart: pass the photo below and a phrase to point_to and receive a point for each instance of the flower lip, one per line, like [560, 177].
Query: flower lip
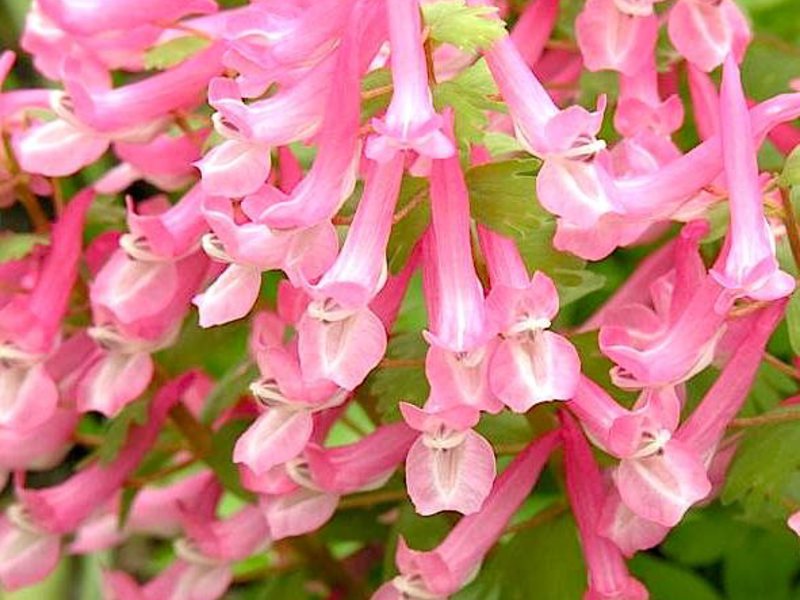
[214, 248]
[412, 587]
[653, 443]
[20, 517]
[584, 148]
[443, 438]
[299, 471]
[328, 310]
[11, 356]
[187, 550]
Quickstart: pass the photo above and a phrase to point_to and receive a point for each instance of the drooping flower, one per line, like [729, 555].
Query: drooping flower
[410, 121]
[747, 265]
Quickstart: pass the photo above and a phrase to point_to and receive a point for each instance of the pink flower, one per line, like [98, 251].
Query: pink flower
[93, 17]
[747, 265]
[30, 531]
[531, 364]
[410, 121]
[171, 234]
[340, 338]
[608, 576]
[30, 326]
[611, 39]
[444, 570]
[449, 467]
[706, 31]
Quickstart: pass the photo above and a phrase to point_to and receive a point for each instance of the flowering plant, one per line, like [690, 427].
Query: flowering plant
[402, 299]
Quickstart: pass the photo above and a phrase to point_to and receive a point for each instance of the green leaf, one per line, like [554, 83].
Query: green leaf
[761, 564]
[505, 428]
[421, 533]
[764, 466]
[392, 385]
[793, 322]
[499, 143]
[544, 563]
[376, 86]
[414, 206]
[768, 67]
[700, 539]
[790, 176]
[106, 213]
[228, 389]
[470, 96]
[467, 27]
[118, 428]
[667, 581]
[174, 52]
[220, 458]
[215, 350]
[14, 246]
[503, 197]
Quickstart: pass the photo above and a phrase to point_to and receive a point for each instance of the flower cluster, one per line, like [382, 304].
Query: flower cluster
[390, 200]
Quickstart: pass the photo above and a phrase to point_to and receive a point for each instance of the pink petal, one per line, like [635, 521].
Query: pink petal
[114, 381]
[456, 479]
[299, 512]
[528, 370]
[794, 522]
[626, 529]
[58, 149]
[610, 39]
[705, 33]
[663, 486]
[230, 297]
[28, 397]
[277, 436]
[462, 379]
[25, 557]
[343, 351]
[234, 169]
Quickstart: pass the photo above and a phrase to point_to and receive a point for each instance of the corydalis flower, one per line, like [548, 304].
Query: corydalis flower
[410, 121]
[747, 265]
[443, 571]
[530, 364]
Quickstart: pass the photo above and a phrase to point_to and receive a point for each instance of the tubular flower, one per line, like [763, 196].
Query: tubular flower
[410, 121]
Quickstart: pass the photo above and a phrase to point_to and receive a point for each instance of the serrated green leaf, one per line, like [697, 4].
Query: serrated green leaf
[763, 468]
[470, 95]
[790, 176]
[406, 232]
[174, 52]
[467, 27]
[118, 428]
[500, 144]
[503, 197]
[395, 384]
[14, 246]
